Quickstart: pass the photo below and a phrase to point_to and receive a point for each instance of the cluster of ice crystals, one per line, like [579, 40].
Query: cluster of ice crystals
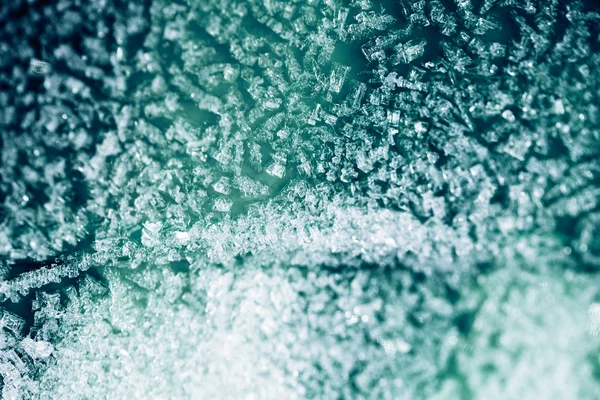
[320, 198]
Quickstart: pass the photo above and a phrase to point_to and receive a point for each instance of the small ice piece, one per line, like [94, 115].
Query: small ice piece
[508, 115]
[351, 319]
[329, 119]
[249, 188]
[314, 117]
[222, 205]
[37, 348]
[391, 347]
[214, 25]
[432, 203]
[223, 186]
[174, 31]
[159, 85]
[288, 12]
[282, 134]
[477, 170]
[408, 52]
[109, 146]
[12, 322]
[432, 157]
[230, 73]
[357, 95]
[273, 104]
[483, 26]
[338, 75]
[182, 236]
[558, 107]
[393, 118]
[517, 148]
[151, 233]
[340, 23]
[372, 52]
[39, 67]
[255, 156]
[497, 50]
[277, 168]
[421, 127]
[369, 49]
[436, 14]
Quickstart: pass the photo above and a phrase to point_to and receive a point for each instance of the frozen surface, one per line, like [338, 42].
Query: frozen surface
[300, 199]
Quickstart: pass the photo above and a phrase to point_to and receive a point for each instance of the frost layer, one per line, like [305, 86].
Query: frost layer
[299, 199]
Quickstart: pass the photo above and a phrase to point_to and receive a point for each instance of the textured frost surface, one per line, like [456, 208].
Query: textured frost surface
[306, 199]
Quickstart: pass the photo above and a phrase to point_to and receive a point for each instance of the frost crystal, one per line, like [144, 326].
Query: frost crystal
[38, 67]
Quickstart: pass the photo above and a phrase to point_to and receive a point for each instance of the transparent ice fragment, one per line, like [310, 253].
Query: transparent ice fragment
[368, 22]
[408, 52]
[159, 85]
[517, 147]
[182, 236]
[508, 115]
[250, 188]
[486, 6]
[315, 115]
[174, 30]
[230, 73]
[421, 127]
[277, 168]
[373, 52]
[148, 279]
[337, 77]
[37, 349]
[558, 107]
[223, 185]
[364, 162]
[391, 347]
[437, 13]
[329, 119]
[151, 234]
[39, 67]
[91, 287]
[357, 94]
[283, 134]
[412, 85]
[393, 117]
[288, 11]
[272, 104]
[497, 50]
[12, 322]
[340, 23]
[255, 156]
[110, 145]
[222, 205]
[483, 26]
[434, 204]
[432, 157]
